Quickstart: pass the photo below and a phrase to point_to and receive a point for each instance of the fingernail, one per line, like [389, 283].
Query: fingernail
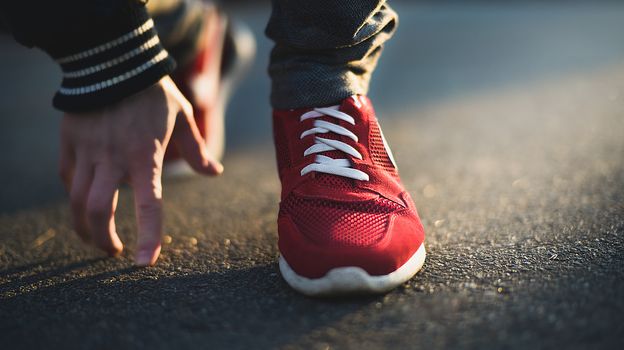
[117, 246]
[144, 258]
[218, 167]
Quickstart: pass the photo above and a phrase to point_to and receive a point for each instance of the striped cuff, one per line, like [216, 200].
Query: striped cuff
[111, 71]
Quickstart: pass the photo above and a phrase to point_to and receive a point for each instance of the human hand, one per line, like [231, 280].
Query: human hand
[126, 142]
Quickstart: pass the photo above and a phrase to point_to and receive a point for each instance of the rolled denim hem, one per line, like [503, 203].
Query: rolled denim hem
[289, 92]
[319, 63]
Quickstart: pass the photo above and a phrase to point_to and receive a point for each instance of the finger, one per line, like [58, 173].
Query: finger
[191, 144]
[101, 205]
[78, 194]
[66, 160]
[146, 181]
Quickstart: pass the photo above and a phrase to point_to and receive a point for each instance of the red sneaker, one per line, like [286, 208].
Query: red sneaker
[346, 223]
[227, 52]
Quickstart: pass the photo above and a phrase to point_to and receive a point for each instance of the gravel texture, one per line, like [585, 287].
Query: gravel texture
[521, 191]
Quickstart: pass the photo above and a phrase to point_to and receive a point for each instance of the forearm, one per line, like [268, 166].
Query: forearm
[107, 49]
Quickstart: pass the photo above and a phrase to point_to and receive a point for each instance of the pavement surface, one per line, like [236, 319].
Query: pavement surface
[508, 126]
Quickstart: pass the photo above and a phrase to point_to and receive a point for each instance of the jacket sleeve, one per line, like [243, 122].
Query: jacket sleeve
[107, 49]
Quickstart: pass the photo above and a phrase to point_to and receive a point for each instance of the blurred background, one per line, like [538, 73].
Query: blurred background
[507, 121]
[443, 50]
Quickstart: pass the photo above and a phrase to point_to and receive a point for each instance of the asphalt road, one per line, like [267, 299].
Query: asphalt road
[509, 133]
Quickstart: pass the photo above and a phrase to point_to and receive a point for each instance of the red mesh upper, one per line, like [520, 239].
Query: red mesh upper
[333, 223]
[281, 146]
[377, 150]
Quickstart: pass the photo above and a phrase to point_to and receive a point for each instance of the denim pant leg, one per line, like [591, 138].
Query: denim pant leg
[325, 50]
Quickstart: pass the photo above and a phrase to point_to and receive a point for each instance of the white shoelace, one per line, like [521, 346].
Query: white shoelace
[324, 164]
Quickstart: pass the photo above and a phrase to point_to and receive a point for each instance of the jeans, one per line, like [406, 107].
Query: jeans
[325, 50]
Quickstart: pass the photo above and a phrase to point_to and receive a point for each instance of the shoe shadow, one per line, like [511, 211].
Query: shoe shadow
[133, 307]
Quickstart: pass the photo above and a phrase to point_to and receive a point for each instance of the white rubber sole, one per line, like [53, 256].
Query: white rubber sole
[352, 280]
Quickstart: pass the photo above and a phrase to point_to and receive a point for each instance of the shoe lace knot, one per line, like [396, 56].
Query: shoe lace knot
[324, 164]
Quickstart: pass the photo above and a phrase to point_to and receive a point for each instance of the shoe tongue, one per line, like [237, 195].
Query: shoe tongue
[354, 106]
[351, 107]
[329, 180]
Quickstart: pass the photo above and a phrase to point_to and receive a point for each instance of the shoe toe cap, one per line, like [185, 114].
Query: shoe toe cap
[378, 254]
